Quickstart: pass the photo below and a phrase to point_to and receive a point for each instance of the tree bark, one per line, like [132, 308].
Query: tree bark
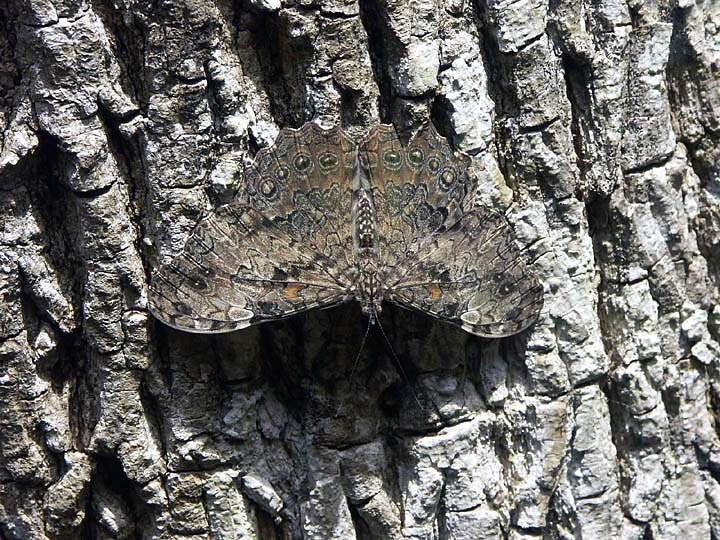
[594, 125]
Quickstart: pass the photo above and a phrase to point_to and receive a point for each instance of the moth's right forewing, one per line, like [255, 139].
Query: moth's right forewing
[238, 268]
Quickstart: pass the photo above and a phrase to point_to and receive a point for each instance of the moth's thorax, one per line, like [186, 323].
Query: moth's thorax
[370, 290]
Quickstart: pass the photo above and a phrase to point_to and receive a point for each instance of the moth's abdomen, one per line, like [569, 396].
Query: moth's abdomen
[365, 225]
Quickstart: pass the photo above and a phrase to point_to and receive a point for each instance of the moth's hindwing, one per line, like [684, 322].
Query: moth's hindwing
[303, 184]
[418, 189]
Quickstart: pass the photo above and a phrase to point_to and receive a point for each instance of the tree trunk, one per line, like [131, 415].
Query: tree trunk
[595, 125]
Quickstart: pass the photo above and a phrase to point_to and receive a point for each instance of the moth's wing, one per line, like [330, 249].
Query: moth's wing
[287, 247]
[472, 275]
[303, 183]
[239, 268]
[417, 189]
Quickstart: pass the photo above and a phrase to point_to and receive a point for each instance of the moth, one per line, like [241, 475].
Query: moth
[324, 220]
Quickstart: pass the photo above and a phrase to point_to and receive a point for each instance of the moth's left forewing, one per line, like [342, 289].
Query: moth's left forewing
[472, 275]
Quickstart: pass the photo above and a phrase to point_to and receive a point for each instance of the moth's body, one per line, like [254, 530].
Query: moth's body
[367, 289]
[324, 220]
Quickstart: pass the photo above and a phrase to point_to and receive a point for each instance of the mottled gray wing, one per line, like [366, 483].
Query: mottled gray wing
[417, 189]
[303, 183]
[239, 268]
[472, 275]
[285, 247]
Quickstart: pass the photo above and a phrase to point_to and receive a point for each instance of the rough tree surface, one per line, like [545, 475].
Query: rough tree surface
[595, 125]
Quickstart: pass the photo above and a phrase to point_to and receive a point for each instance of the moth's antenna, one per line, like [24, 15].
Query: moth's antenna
[397, 360]
[355, 362]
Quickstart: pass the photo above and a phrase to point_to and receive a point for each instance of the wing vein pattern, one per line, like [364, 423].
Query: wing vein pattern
[322, 220]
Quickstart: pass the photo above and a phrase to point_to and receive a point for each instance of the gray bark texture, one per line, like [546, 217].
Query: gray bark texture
[594, 124]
